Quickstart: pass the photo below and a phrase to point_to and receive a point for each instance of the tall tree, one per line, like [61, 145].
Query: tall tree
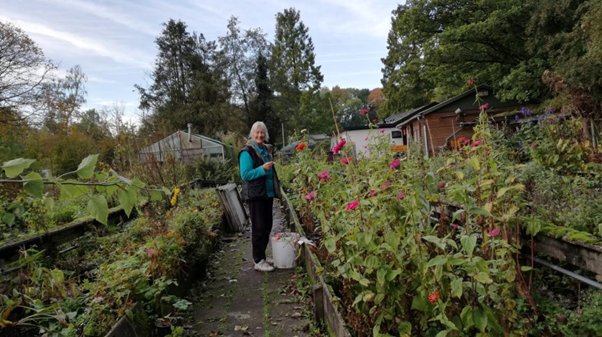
[241, 50]
[263, 108]
[435, 46]
[23, 71]
[64, 97]
[293, 69]
[189, 83]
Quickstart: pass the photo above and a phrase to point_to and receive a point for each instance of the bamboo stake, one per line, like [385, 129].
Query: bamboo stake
[456, 145]
[430, 137]
[334, 118]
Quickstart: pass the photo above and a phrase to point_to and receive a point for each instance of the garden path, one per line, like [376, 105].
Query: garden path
[236, 300]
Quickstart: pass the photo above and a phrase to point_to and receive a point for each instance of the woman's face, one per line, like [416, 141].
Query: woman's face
[258, 135]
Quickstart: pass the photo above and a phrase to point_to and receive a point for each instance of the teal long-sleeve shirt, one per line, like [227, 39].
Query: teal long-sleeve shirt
[248, 173]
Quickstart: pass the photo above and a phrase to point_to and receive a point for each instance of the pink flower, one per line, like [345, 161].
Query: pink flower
[461, 139]
[470, 81]
[352, 205]
[442, 185]
[310, 195]
[494, 232]
[534, 145]
[485, 106]
[454, 227]
[346, 160]
[394, 163]
[364, 111]
[323, 174]
[475, 144]
[371, 193]
[401, 196]
[466, 141]
[338, 147]
[385, 185]
[366, 139]
[382, 131]
[325, 179]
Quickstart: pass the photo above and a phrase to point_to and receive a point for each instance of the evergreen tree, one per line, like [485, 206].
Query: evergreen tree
[293, 69]
[264, 99]
[189, 84]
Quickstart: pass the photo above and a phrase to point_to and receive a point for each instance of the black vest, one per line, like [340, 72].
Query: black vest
[256, 189]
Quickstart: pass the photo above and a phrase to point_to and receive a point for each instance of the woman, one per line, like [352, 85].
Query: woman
[259, 187]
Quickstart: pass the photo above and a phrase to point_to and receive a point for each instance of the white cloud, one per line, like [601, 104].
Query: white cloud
[81, 42]
[372, 17]
[107, 13]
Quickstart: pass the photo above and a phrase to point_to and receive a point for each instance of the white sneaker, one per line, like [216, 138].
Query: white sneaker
[269, 260]
[263, 266]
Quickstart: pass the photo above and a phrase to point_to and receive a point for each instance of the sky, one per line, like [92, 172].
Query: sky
[114, 40]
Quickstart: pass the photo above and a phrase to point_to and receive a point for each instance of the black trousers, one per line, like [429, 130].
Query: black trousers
[261, 226]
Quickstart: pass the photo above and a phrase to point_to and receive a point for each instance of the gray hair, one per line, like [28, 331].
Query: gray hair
[257, 125]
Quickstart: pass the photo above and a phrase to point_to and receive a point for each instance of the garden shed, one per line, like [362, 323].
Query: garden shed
[185, 146]
[437, 127]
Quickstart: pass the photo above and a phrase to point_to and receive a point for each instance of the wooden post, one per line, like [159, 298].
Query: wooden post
[336, 125]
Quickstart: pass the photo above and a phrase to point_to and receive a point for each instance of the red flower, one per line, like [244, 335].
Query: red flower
[485, 106]
[470, 81]
[364, 111]
[374, 120]
[475, 143]
[442, 185]
[323, 174]
[300, 147]
[455, 227]
[433, 297]
[346, 160]
[382, 131]
[352, 205]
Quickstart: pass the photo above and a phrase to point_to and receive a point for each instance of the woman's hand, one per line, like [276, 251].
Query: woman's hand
[268, 165]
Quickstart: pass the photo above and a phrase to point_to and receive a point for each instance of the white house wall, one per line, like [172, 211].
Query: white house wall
[358, 138]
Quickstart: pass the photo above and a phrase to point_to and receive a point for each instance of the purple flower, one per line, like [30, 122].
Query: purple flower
[494, 232]
[516, 118]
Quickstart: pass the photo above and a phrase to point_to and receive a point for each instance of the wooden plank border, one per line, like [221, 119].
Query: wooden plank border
[324, 308]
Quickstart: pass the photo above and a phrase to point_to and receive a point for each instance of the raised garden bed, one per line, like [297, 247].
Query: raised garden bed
[324, 304]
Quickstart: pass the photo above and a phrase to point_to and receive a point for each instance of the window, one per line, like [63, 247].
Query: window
[395, 134]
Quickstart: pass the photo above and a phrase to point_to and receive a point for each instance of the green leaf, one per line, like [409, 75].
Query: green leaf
[492, 322]
[8, 218]
[466, 317]
[156, 195]
[437, 261]
[483, 278]
[392, 239]
[480, 319]
[456, 288]
[72, 191]
[98, 209]
[85, 170]
[355, 275]
[138, 183]
[393, 274]
[15, 167]
[404, 329]
[331, 244]
[442, 333]
[479, 211]
[129, 314]
[502, 191]
[420, 303]
[468, 243]
[474, 162]
[127, 199]
[526, 268]
[48, 204]
[34, 185]
[365, 282]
